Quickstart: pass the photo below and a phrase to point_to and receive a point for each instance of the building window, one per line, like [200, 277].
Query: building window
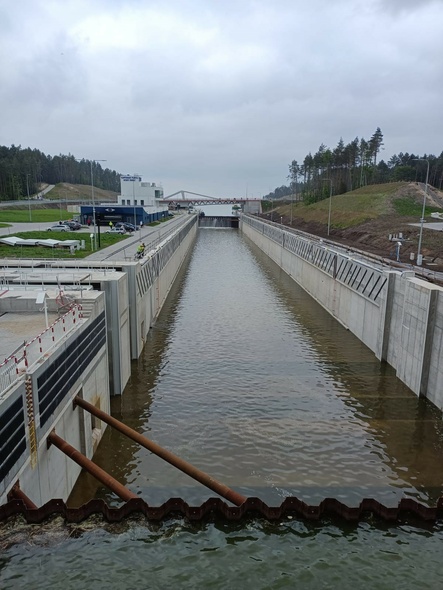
[142, 203]
[135, 202]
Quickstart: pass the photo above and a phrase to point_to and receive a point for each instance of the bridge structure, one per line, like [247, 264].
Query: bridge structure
[184, 197]
[189, 199]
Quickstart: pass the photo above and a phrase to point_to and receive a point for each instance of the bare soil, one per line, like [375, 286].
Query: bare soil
[373, 236]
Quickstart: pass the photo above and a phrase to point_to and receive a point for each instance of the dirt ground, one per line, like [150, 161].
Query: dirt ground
[373, 236]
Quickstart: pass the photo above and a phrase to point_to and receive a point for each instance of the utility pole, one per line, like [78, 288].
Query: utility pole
[330, 202]
[29, 200]
[422, 220]
[93, 200]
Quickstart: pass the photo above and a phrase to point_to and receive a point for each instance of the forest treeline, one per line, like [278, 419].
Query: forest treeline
[353, 165]
[22, 170]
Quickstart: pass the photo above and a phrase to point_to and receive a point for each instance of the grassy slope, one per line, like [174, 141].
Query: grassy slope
[38, 215]
[44, 211]
[79, 192]
[360, 206]
[364, 218]
[43, 252]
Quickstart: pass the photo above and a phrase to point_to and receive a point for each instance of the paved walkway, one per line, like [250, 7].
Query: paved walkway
[435, 225]
[26, 226]
[126, 249]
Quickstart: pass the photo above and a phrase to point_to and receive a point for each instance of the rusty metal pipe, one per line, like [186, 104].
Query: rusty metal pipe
[208, 481]
[19, 494]
[91, 467]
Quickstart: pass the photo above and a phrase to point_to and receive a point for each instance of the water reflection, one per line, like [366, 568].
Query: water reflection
[408, 428]
[248, 378]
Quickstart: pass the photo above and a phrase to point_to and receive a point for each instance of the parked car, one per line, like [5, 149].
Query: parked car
[74, 225]
[116, 230]
[125, 225]
[59, 227]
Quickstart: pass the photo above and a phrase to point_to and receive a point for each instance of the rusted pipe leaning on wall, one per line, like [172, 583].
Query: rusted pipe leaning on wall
[18, 494]
[211, 483]
[91, 467]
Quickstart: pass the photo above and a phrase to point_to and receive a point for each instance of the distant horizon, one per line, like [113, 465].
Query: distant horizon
[220, 97]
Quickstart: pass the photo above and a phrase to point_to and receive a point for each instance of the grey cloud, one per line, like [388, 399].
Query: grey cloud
[405, 6]
[212, 96]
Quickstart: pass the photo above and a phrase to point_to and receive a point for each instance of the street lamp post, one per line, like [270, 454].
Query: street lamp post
[133, 202]
[419, 256]
[330, 202]
[29, 200]
[92, 194]
[93, 199]
[293, 191]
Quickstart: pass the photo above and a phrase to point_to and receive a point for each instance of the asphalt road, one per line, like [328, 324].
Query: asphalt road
[19, 227]
[31, 201]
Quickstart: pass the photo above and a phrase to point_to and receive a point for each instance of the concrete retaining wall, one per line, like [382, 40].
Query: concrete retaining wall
[151, 279]
[399, 317]
[115, 287]
[91, 362]
[48, 473]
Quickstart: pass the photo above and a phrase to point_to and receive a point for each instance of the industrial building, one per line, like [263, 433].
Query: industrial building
[139, 202]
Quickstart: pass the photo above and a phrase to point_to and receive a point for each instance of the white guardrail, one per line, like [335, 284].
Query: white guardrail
[22, 360]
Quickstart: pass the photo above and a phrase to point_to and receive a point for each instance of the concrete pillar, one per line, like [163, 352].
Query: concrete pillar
[385, 318]
[429, 339]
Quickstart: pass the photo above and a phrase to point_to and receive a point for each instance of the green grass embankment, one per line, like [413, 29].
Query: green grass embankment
[44, 252]
[362, 205]
[37, 215]
[65, 191]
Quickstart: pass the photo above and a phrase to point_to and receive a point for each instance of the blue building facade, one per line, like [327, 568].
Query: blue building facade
[129, 214]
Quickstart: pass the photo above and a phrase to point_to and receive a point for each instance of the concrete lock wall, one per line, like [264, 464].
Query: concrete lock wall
[18, 394]
[118, 331]
[399, 317]
[48, 473]
[55, 473]
[357, 314]
[415, 329]
[92, 361]
[151, 279]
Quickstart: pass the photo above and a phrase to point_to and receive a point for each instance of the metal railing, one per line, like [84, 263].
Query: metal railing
[14, 367]
[358, 275]
[9, 373]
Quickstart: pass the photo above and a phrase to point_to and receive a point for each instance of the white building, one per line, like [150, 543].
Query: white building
[137, 192]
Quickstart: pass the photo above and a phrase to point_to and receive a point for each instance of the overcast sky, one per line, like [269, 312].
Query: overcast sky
[218, 97]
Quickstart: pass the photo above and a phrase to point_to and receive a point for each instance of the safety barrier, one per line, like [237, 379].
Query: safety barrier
[357, 275]
[17, 364]
[8, 373]
[156, 260]
[36, 348]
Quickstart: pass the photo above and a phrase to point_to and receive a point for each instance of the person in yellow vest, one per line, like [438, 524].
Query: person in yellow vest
[111, 225]
[140, 251]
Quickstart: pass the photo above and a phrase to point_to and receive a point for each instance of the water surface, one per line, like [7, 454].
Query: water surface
[246, 377]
